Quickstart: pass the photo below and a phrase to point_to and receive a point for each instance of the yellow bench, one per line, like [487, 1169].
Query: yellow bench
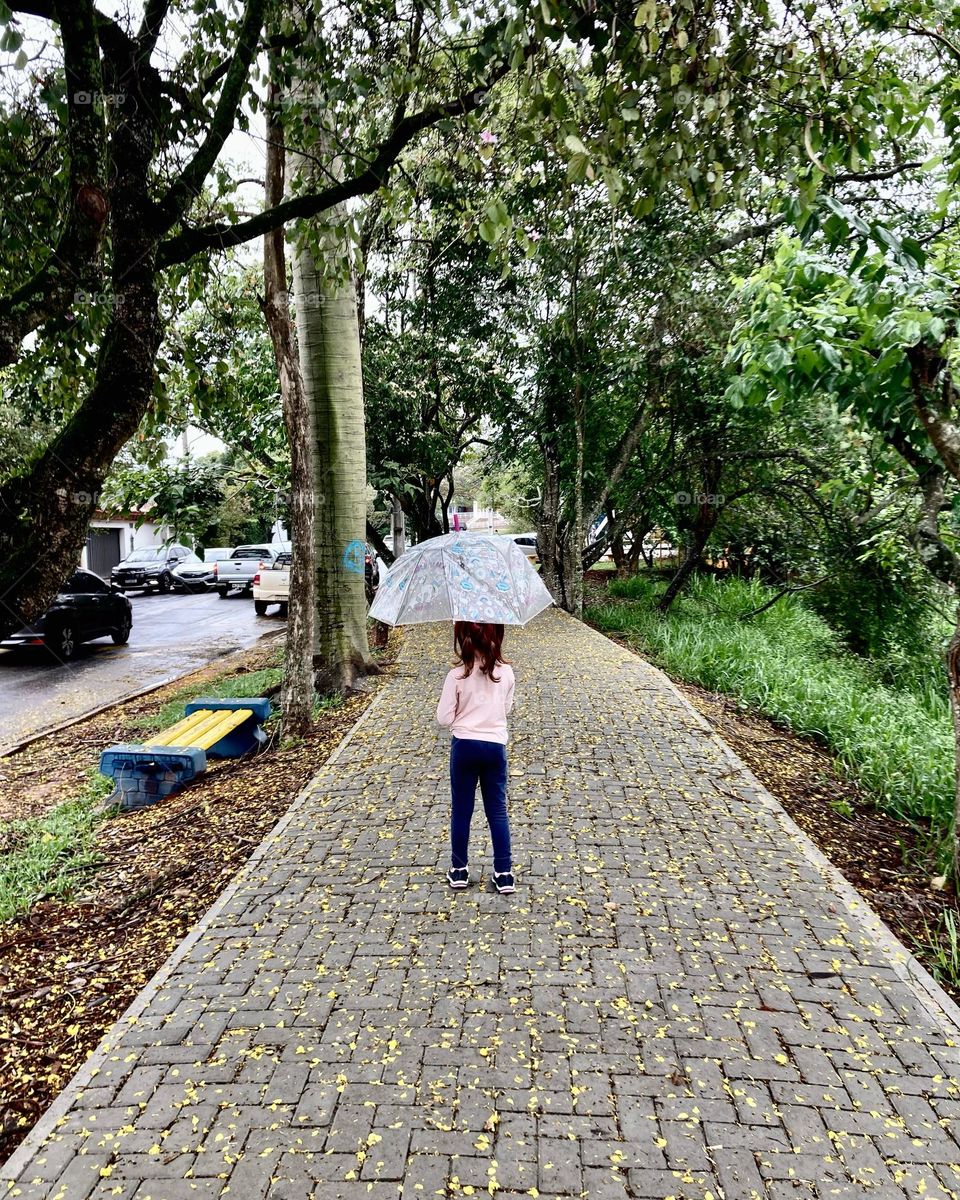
[167, 761]
[202, 728]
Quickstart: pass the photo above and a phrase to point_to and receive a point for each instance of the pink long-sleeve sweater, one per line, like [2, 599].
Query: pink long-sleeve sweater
[476, 707]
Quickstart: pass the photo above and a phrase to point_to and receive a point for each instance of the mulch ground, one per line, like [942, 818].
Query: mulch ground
[69, 969]
[886, 860]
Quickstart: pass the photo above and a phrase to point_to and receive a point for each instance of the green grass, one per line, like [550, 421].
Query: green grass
[939, 948]
[49, 855]
[254, 683]
[323, 704]
[789, 664]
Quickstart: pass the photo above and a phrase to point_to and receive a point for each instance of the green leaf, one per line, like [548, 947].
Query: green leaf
[614, 184]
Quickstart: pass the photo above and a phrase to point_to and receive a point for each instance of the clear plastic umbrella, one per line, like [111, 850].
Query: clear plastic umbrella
[461, 577]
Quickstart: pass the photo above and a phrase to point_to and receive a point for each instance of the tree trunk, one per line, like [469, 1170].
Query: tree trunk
[398, 529]
[330, 364]
[298, 686]
[551, 569]
[707, 516]
[577, 534]
[617, 550]
[329, 340]
[46, 510]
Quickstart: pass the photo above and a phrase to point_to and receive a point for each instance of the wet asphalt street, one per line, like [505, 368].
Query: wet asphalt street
[172, 636]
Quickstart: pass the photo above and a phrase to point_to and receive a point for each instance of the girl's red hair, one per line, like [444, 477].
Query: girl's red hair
[477, 641]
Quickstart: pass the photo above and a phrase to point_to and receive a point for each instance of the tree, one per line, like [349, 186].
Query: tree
[328, 335]
[133, 192]
[299, 684]
[878, 335]
[139, 146]
[433, 360]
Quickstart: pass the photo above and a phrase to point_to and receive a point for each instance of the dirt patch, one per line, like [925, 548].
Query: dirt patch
[68, 969]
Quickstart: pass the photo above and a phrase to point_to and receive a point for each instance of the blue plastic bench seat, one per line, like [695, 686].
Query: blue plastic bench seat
[166, 762]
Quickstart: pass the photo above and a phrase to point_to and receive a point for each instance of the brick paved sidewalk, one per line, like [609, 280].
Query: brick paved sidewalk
[677, 1002]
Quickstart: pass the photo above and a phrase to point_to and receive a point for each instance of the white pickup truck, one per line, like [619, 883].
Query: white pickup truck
[236, 572]
[271, 585]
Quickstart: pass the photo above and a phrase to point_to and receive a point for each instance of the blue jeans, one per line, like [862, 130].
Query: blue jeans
[472, 761]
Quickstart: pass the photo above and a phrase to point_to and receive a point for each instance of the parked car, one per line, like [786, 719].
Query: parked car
[528, 544]
[86, 607]
[271, 585]
[236, 572]
[200, 576]
[151, 567]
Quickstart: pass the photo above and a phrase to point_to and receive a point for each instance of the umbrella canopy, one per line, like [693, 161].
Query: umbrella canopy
[461, 577]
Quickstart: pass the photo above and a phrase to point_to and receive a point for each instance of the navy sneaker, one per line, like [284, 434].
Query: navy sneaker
[458, 877]
[504, 882]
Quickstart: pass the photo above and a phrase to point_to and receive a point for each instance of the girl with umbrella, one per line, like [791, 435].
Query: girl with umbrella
[476, 698]
[481, 583]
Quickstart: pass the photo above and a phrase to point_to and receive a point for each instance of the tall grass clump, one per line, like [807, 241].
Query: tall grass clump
[48, 856]
[788, 663]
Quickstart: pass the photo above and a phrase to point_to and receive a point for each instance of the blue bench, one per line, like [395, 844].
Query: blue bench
[146, 772]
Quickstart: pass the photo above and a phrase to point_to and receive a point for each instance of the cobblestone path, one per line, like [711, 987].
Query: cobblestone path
[678, 1000]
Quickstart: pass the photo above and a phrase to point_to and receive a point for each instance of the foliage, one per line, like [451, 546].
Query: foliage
[433, 361]
[694, 101]
[211, 501]
[217, 372]
[810, 323]
[49, 855]
[787, 663]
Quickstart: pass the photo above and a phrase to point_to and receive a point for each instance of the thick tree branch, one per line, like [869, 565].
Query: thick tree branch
[935, 35]
[376, 538]
[112, 36]
[154, 15]
[190, 182]
[942, 562]
[745, 233]
[624, 453]
[926, 368]
[785, 591]
[908, 452]
[222, 236]
[875, 176]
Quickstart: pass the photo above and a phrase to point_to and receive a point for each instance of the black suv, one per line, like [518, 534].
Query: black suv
[86, 607]
[151, 567]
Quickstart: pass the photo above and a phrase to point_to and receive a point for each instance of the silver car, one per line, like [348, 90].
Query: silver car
[199, 576]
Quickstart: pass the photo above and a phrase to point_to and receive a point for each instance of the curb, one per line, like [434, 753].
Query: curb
[47, 1124]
